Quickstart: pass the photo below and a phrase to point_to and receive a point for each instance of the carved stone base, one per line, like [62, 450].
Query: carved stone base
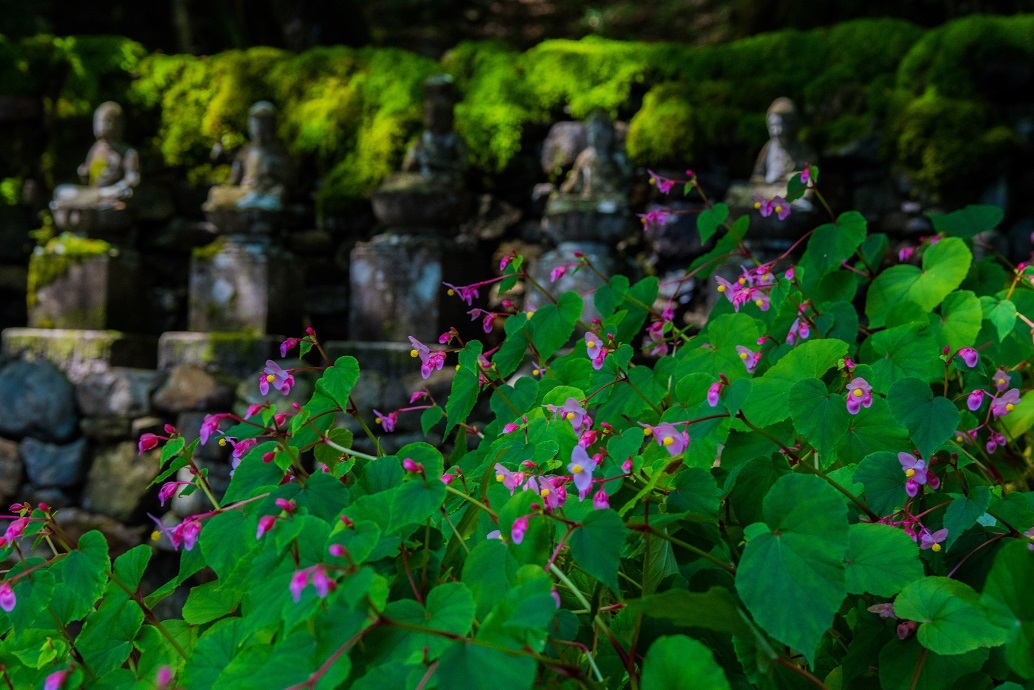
[97, 292]
[80, 353]
[236, 354]
[584, 281]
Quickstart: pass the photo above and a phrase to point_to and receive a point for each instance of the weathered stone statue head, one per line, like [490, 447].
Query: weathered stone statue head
[439, 153]
[262, 123]
[439, 101]
[599, 132]
[782, 119]
[108, 122]
[600, 170]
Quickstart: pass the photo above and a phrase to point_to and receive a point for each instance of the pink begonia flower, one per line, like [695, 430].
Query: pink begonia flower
[916, 472]
[487, 319]
[995, 441]
[975, 400]
[7, 599]
[581, 468]
[777, 205]
[288, 345]
[557, 273]
[520, 526]
[1005, 403]
[749, 357]
[321, 582]
[655, 217]
[1001, 379]
[763, 205]
[147, 442]
[933, 541]
[430, 360]
[410, 465]
[806, 175]
[969, 356]
[265, 524]
[668, 437]
[906, 629]
[210, 425]
[511, 480]
[713, 392]
[15, 530]
[573, 412]
[184, 534]
[551, 489]
[280, 379]
[1029, 534]
[467, 293]
[163, 678]
[664, 184]
[505, 261]
[298, 582]
[859, 395]
[588, 438]
[883, 610]
[905, 253]
[510, 428]
[55, 680]
[594, 347]
[387, 421]
[169, 490]
[600, 500]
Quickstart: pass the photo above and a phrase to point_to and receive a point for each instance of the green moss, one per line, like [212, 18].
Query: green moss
[662, 132]
[11, 191]
[209, 251]
[53, 259]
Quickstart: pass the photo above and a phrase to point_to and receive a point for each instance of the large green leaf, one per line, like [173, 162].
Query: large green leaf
[951, 620]
[1001, 314]
[678, 662]
[873, 429]
[767, 403]
[881, 560]
[964, 512]
[716, 609]
[969, 221]
[1009, 600]
[791, 575]
[818, 415]
[832, 244]
[930, 420]
[903, 351]
[881, 475]
[80, 577]
[596, 546]
[709, 220]
[465, 386]
[945, 265]
[553, 324]
[337, 381]
[960, 319]
[472, 667]
[900, 668]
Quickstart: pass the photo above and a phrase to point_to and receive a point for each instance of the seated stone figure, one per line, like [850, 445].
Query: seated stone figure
[440, 151]
[111, 170]
[262, 171]
[601, 171]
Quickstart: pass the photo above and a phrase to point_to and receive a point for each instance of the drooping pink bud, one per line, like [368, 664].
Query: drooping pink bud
[7, 599]
[265, 524]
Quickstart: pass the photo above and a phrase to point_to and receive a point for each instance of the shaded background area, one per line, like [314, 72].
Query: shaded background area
[432, 26]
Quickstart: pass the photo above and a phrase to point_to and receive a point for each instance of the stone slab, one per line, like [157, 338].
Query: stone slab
[93, 293]
[80, 353]
[236, 354]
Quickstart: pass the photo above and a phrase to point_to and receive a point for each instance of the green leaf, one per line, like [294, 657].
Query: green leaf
[710, 219]
[677, 662]
[472, 667]
[450, 607]
[337, 381]
[899, 660]
[872, 429]
[465, 386]
[106, 639]
[1001, 314]
[831, 244]
[213, 653]
[969, 221]
[489, 571]
[609, 296]
[638, 301]
[930, 420]
[417, 500]
[253, 477]
[81, 576]
[554, 324]
[768, 401]
[945, 265]
[951, 620]
[694, 491]
[510, 402]
[797, 561]
[960, 319]
[1009, 601]
[818, 415]
[596, 546]
[884, 481]
[1021, 419]
[964, 511]
[716, 609]
[880, 560]
[511, 353]
[903, 351]
[211, 601]
[430, 417]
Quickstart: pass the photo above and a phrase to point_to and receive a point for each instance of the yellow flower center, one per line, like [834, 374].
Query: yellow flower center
[1009, 407]
[758, 302]
[757, 204]
[535, 372]
[743, 355]
[779, 208]
[668, 440]
[377, 421]
[1000, 382]
[156, 535]
[959, 439]
[647, 431]
[499, 477]
[569, 416]
[590, 343]
[222, 442]
[530, 314]
[910, 473]
[544, 493]
[457, 367]
[768, 276]
[450, 292]
[270, 378]
[742, 281]
[857, 392]
[576, 469]
[935, 547]
[414, 353]
[721, 288]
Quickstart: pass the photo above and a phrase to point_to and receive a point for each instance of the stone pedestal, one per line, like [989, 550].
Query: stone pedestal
[112, 223]
[92, 292]
[236, 354]
[396, 287]
[80, 353]
[584, 281]
[245, 286]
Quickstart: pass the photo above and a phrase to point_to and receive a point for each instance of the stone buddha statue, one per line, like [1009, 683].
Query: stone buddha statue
[601, 171]
[783, 155]
[440, 151]
[109, 174]
[262, 171]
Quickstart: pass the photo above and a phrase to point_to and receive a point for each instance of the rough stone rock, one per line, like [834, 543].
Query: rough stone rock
[11, 470]
[235, 354]
[37, 400]
[118, 392]
[77, 522]
[52, 496]
[189, 387]
[118, 480]
[51, 464]
[105, 428]
[563, 143]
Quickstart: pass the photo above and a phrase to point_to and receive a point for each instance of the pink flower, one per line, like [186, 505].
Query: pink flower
[1030, 536]
[916, 472]
[1001, 379]
[859, 395]
[298, 582]
[780, 207]
[265, 524]
[573, 412]
[487, 319]
[594, 347]
[806, 174]
[210, 425]
[906, 629]
[581, 467]
[994, 441]
[763, 205]
[664, 185]
[749, 357]
[288, 345]
[169, 489]
[657, 216]
[321, 582]
[16, 529]
[467, 293]
[163, 678]
[189, 530]
[668, 437]
[905, 253]
[1005, 403]
[147, 442]
[520, 526]
[505, 261]
[975, 400]
[511, 480]
[410, 465]
[933, 541]
[969, 356]
[510, 428]
[279, 378]
[430, 360]
[55, 680]
[7, 599]
[600, 500]
[387, 421]
[557, 273]
[713, 392]
[883, 610]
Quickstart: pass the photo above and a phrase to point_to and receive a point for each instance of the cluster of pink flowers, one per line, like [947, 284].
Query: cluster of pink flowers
[595, 348]
[658, 345]
[1003, 403]
[668, 437]
[800, 327]
[184, 534]
[777, 205]
[321, 582]
[430, 360]
[753, 286]
[859, 395]
[918, 474]
[914, 528]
